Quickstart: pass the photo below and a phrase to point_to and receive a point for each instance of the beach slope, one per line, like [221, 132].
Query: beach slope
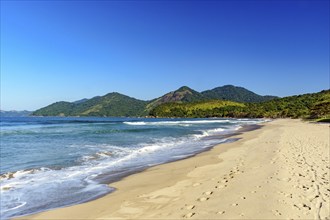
[280, 171]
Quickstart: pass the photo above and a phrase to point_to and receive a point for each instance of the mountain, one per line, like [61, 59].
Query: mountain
[14, 113]
[235, 93]
[309, 106]
[55, 109]
[205, 104]
[182, 95]
[112, 104]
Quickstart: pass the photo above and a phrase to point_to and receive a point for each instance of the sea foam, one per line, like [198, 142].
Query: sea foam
[84, 156]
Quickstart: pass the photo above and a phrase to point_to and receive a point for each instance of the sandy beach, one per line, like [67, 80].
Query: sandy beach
[280, 171]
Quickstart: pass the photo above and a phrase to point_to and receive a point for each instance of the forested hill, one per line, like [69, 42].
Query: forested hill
[112, 104]
[315, 105]
[182, 95]
[116, 104]
[236, 94]
[186, 102]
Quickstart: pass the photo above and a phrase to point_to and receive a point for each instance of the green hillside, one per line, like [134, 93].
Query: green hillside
[315, 105]
[236, 94]
[182, 95]
[186, 102]
[115, 104]
[112, 104]
[56, 109]
[192, 110]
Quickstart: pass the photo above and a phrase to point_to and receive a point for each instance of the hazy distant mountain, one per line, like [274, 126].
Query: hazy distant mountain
[235, 93]
[14, 113]
[116, 104]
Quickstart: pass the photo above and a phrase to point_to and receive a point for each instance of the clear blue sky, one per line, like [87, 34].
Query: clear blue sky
[69, 50]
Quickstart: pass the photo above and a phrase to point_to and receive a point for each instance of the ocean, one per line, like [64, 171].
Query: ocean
[50, 162]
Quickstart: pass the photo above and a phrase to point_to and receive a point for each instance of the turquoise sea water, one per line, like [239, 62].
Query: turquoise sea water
[49, 162]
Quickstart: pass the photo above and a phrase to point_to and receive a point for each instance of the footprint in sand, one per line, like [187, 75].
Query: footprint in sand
[253, 191]
[190, 207]
[221, 212]
[220, 186]
[208, 193]
[234, 204]
[189, 215]
[243, 197]
[203, 199]
[305, 206]
[276, 212]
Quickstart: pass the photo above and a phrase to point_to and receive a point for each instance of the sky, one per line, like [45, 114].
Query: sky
[68, 50]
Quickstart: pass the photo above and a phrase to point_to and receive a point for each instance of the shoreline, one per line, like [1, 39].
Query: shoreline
[208, 185]
[230, 137]
[101, 174]
[110, 178]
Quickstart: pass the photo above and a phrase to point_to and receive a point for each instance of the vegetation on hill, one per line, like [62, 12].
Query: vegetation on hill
[182, 95]
[236, 94]
[199, 109]
[112, 104]
[186, 102]
[56, 109]
[316, 105]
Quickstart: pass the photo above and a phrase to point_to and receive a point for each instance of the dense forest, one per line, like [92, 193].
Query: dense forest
[112, 104]
[236, 94]
[316, 105]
